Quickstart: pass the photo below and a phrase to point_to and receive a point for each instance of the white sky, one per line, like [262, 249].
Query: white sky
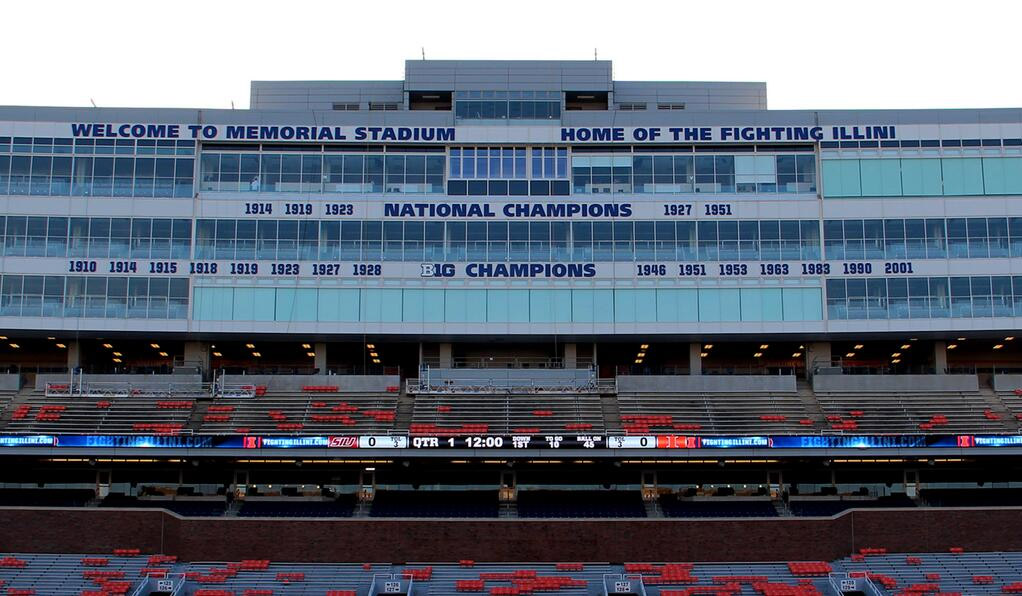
[823, 54]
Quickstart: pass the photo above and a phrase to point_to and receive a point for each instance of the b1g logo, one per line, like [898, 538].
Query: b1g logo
[437, 270]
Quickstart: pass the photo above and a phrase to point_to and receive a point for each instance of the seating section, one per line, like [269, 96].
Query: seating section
[415, 503]
[310, 412]
[713, 413]
[942, 412]
[672, 506]
[74, 415]
[554, 503]
[973, 497]
[440, 415]
[45, 497]
[187, 507]
[946, 573]
[829, 507]
[342, 506]
[63, 575]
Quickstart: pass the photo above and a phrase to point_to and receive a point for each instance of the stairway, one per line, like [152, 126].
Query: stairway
[611, 412]
[997, 406]
[403, 415]
[809, 403]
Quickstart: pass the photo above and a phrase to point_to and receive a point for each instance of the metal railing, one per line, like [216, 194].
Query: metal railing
[508, 362]
[453, 386]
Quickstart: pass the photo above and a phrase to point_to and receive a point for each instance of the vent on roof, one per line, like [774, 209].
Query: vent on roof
[670, 106]
[631, 106]
[381, 106]
[346, 107]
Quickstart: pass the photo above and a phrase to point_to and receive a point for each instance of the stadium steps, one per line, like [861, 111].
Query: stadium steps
[810, 403]
[198, 412]
[404, 410]
[508, 509]
[997, 406]
[7, 406]
[611, 411]
[653, 509]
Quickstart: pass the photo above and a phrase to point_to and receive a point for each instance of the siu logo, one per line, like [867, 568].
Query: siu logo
[342, 442]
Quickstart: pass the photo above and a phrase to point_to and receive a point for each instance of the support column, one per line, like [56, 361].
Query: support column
[319, 361]
[74, 355]
[817, 354]
[940, 356]
[695, 360]
[446, 360]
[570, 356]
[197, 355]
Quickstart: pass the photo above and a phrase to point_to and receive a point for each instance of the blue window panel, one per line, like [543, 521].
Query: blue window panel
[209, 304]
[412, 307]
[244, 305]
[550, 306]
[339, 305]
[507, 306]
[802, 304]
[962, 176]
[465, 306]
[677, 305]
[583, 307]
[880, 177]
[717, 305]
[305, 305]
[841, 178]
[1002, 175]
[371, 305]
[223, 304]
[921, 178]
[761, 304]
[603, 306]
[635, 306]
[423, 306]
[284, 304]
[390, 308]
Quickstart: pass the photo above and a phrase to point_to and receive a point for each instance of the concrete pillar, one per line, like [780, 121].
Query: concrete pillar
[695, 360]
[446, 360]
[817, 354]
[319, 361]
[570, 356]
[74, 355]
[197, 354]
[940, 356]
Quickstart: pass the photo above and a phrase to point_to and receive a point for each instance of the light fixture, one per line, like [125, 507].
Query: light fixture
[310, 354]
[117, 360]
[913, 339]
[257, 354]
[703, 354]
[306, 346]
[857, 346]
[638, 360]
[896, 355]
[107, 346]
[374, 355]
[801, 347]
[996, 346]
[708, 347]
[764, 346]
[952, 346]
[896, 360]
[15, 346]
[905, 346]
[164, 354]
[641, 354]
[1009, 338]
[118, 354]
[154, 346]
[51, 338]
[796, 354]
[757, 354]
[371, 346]
[61, 346]
[217, 354]
[644, 347]
[961, 339]
[250, 346]
[850, 355]
[3, 337]
[376, 360]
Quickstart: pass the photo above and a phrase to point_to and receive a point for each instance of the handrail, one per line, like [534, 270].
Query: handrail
[448, 386]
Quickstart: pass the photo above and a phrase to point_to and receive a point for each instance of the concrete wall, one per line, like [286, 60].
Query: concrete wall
[1007, 382]
[30, 530]
[705, 383]
[10, 382]
[873, 383]
[345, 383]
[42, 380]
